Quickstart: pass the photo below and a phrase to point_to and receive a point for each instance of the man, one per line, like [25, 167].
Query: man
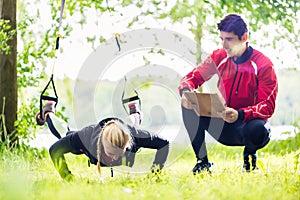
[248, 84]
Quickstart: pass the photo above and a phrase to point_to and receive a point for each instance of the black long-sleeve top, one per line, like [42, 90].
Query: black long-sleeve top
[85, 141]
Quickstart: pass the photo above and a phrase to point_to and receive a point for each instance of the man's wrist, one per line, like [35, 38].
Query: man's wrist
[184, 90]
[240, 115]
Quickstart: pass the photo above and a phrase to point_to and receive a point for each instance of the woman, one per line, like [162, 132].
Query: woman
[104, 143]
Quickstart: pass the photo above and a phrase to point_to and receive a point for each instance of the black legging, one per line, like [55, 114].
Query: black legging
[52, 128]
[252, 134]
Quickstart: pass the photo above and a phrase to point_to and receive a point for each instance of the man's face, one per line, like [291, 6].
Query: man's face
[232, 44]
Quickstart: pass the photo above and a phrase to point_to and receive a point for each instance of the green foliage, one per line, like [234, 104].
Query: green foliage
[26, 125]
[80, 6]
[18, 141]
[8, 139]
[33, 55]
[282, 147]
[27, 173]
[126, 2]
[38, 45]
[282, 15]
[37, 52]
[180, 11]
[36, 49]
[6, 34]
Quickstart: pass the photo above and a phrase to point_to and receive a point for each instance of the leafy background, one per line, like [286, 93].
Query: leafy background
[27, 173]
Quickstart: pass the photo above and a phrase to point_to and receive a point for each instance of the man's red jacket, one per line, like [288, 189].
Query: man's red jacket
[247, 84]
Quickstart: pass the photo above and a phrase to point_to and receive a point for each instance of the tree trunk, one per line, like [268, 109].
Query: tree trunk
[8, 72]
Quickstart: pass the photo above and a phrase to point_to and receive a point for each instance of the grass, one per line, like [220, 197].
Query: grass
[31, 177]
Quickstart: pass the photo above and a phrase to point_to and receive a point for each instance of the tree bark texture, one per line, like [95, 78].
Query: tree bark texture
[8, 70]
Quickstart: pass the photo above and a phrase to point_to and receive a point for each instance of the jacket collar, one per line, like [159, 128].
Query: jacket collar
[244, 57]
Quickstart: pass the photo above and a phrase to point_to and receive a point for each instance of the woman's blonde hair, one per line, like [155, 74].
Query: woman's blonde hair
[116, 134]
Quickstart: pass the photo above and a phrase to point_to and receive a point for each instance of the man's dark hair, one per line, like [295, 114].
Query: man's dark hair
[233, 23]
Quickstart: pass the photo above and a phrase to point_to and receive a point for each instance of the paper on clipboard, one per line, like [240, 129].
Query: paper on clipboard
[207, 104]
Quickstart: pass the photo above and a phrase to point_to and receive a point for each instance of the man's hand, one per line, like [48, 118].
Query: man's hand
[230, 115]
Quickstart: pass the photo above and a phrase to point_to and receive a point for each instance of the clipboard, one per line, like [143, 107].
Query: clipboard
[207, 104]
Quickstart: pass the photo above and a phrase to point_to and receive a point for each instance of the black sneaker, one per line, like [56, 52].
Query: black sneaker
[202, 166]
[247, 165]
[253, 161]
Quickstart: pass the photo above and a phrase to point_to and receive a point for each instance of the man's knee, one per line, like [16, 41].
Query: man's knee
[190, 120]
[257, 133]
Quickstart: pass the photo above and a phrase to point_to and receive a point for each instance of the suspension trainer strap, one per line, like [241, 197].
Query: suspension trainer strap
[48, 98]
[117, 36]
[45, 97]
[60, 23]
[61, 13]
[111, 172]
[130, 99]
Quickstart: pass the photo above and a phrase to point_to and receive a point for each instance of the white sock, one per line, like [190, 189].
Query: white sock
[135, 119]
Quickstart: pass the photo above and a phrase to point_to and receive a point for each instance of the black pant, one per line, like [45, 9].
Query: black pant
[252, 134]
